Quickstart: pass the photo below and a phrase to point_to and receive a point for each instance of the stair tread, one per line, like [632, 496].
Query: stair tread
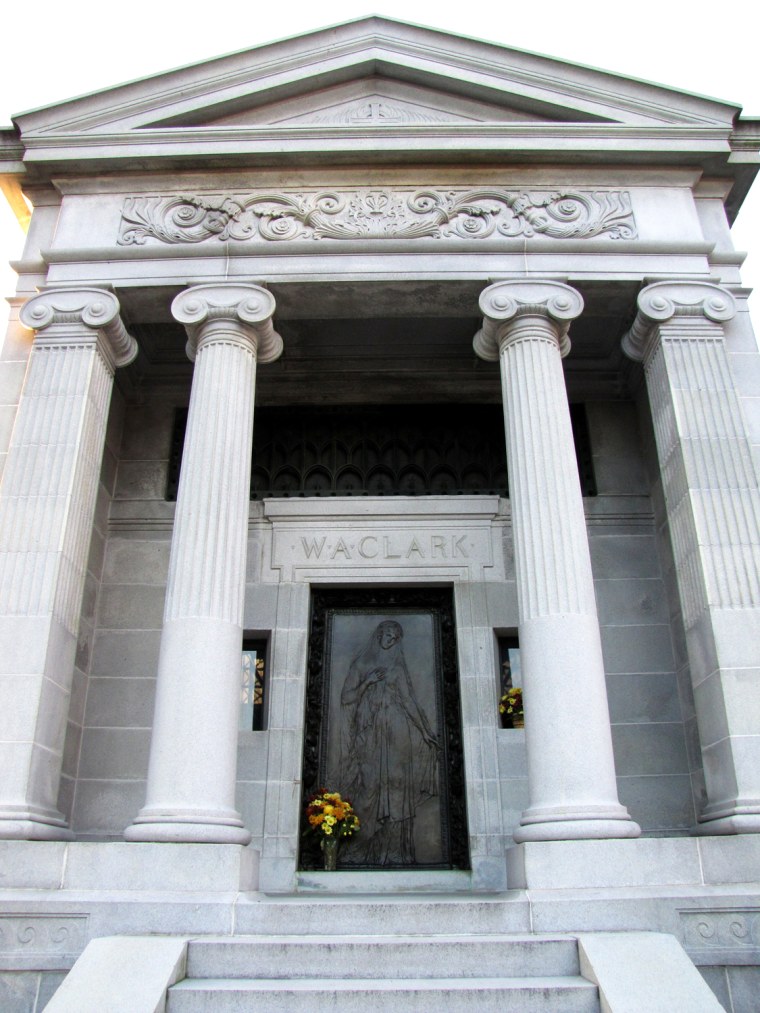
[381, 984]
[381, 938]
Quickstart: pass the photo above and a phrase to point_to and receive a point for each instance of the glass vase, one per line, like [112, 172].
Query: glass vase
[329, 847]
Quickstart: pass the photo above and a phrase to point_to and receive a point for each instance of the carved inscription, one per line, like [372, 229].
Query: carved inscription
[414, 548]
[367, 214]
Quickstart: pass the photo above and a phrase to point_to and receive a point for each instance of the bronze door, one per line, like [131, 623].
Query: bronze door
[383, 725]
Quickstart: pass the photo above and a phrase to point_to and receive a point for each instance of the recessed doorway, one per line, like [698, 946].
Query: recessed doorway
[383, 726]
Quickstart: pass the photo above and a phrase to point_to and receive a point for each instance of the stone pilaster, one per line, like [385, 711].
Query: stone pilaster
[191, 777]
[571, 770]
[713, 507]
[47, 505]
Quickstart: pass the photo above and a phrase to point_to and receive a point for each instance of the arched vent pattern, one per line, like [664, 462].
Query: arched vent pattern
[433, 450]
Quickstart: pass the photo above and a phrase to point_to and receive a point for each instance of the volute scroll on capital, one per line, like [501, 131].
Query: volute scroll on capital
[247, 308]
[94, 308]
[663, 300]
[504, 303]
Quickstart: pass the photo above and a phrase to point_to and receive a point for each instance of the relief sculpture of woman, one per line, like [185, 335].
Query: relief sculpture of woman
[389, 755]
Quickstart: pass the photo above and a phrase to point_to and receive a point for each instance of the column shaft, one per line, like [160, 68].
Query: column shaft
[191, 777]
[47, 505]
[713, 507]
[571, 771]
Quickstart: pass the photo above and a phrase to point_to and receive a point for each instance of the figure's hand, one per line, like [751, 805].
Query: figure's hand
[376, 675]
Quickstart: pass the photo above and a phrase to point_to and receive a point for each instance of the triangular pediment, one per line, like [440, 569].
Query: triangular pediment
[357, 84]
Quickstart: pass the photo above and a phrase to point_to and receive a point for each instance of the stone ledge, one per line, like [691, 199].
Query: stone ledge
[645, 862]
[82, 865]
[393, 881]
[432, 508]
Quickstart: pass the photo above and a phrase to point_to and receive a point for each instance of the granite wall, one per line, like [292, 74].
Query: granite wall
[651, 721]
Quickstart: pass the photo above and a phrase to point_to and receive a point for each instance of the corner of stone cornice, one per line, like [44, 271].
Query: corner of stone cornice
[745, 135]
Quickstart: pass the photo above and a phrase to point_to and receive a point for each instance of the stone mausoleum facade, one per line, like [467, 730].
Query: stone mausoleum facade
[382, 360]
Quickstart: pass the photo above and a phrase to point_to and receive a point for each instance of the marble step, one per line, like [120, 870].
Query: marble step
[377, 957]
[357, 915]
[382, 995]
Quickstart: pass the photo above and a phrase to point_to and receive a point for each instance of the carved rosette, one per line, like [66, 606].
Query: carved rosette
[94, 309]
[372, 214]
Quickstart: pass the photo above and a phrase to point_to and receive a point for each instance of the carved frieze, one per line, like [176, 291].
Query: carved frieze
[41, 940]
[373, 214]
[718, 936]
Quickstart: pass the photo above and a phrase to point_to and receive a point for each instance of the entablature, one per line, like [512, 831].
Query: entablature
[332, 213]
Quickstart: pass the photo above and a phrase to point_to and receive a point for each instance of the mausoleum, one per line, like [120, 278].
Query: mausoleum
[351, 381]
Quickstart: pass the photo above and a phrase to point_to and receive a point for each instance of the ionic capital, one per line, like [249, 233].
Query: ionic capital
[220, 311]
[547, 307]
[664, 300]
[59, 310]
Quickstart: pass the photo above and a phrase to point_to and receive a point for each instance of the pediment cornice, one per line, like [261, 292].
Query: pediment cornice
[300, 145]
[378, 92]
[457, 68]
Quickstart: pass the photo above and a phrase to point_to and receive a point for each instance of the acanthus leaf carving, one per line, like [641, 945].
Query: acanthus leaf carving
[371, 214]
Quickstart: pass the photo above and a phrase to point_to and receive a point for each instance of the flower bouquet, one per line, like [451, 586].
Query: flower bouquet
[331, 819]
[511, 708]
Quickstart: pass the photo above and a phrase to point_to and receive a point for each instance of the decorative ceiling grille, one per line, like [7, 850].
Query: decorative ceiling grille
[433, 450]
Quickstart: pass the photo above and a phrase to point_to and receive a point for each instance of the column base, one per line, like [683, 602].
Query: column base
[578, 830]
[741, 823]
[187, 831]
[14, 829]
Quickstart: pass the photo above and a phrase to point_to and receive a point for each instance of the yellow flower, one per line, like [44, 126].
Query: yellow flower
[327, 830]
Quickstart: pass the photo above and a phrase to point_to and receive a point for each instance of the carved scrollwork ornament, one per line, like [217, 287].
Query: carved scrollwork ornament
[376, 214]
[664, 300]
[241, 310]
[505, 302]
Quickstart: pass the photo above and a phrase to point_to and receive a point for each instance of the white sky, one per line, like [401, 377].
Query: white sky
[56, 51]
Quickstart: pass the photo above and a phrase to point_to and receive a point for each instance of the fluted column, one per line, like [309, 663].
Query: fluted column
[571, 770]
[47, 506]
[191, 776]
[713, 507]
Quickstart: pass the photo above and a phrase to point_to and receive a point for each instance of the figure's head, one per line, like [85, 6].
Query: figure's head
[388, 633]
